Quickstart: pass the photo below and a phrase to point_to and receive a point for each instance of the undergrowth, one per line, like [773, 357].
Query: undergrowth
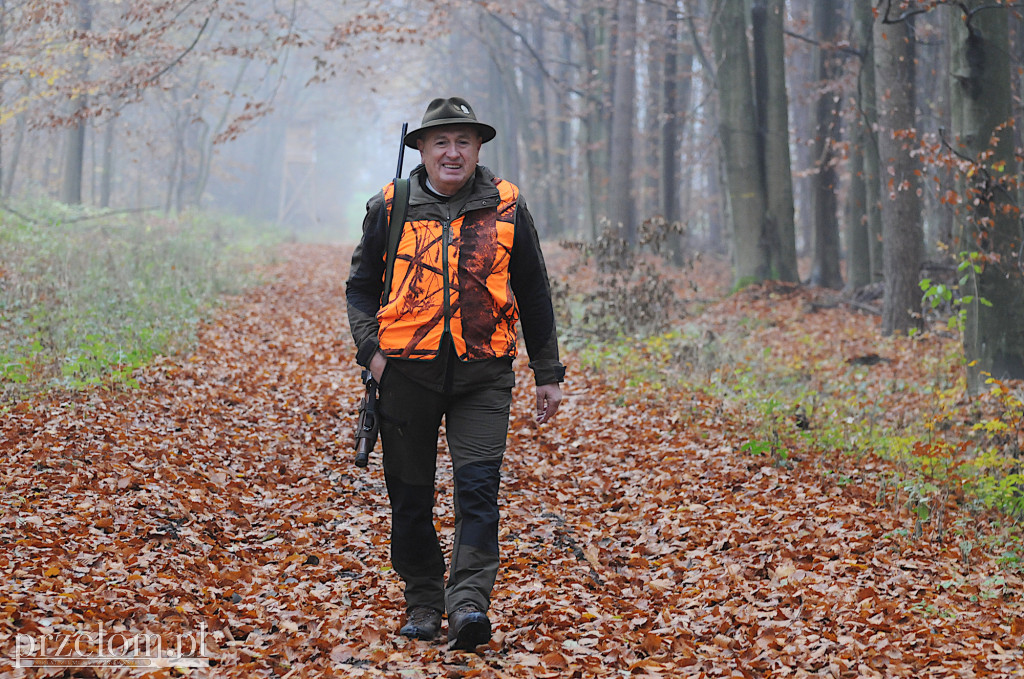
[86, 298]
[628, 294]
[951, 456]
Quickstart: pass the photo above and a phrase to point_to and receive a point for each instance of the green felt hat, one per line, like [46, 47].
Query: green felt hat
[450, 111]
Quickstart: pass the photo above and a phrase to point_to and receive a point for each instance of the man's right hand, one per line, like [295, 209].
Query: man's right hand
[377, 364]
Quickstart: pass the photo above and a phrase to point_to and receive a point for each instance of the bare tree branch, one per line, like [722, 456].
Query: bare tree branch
[886, 19]
[970, 13]
[831, 47]
[177, 60]
[538, 59]
[701, 54]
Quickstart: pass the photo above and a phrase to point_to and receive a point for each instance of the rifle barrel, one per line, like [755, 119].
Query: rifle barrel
[401, 151]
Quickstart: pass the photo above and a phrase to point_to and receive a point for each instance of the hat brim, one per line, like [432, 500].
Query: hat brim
[487, 132]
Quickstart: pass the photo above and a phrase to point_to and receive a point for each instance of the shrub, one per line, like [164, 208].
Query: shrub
[629, 292]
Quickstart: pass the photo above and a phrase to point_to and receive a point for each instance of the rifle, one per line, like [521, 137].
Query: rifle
[368, 426]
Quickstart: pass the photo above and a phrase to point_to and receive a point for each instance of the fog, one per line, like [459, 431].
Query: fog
[292, 113]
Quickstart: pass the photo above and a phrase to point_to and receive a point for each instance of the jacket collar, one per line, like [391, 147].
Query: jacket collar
[482, 191]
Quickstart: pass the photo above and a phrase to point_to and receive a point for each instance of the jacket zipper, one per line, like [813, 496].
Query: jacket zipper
[446, 237]
[448, 346]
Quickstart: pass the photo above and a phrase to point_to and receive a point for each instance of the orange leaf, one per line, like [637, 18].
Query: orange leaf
[652, 643]
[554, 659]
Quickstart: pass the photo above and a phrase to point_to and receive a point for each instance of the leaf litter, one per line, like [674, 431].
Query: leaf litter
[634, 542]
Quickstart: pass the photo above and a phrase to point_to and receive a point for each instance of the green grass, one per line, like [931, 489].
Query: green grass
[85, 299]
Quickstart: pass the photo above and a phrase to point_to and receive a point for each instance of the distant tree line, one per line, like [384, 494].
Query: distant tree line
[119, 103]
[877, 140]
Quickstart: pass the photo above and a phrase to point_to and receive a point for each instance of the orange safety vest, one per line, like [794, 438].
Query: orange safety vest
[453, 277]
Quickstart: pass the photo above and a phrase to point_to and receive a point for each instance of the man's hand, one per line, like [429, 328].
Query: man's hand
[548, 398]
[377, 364]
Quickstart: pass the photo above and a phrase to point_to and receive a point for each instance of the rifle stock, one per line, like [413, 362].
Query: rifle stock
[367, 427]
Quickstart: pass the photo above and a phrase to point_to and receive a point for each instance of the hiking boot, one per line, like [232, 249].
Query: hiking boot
[468, 627]
[422, 622]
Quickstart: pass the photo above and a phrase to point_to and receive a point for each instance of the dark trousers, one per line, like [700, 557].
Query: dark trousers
[476, 426]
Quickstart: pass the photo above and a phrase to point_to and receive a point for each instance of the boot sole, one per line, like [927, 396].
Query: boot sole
[417, 633]
[472, 634]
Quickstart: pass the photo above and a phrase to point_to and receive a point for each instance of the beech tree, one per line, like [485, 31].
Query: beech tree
[739, 138]
[825, 180]
[676, 181]
[990, 227]
[864, 220]
[676, 91]
[762, 242]
[773, 108]
[901, 202]
[621, 199]
[596, 35]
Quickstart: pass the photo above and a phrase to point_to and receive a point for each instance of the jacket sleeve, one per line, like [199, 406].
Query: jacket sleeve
[366, 281]
[529, 278]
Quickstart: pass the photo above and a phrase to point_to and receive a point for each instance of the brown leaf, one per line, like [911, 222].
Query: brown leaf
[554, 659]
[342, 653]
[652, 643]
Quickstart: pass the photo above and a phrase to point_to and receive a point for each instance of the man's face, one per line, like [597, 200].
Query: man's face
[450, 154]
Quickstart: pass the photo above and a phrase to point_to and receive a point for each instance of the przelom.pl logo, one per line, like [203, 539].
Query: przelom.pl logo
[104, 648]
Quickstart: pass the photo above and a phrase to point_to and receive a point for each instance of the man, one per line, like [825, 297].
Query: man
[440, 343]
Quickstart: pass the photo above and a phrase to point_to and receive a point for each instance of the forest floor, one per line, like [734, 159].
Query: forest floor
[642, 533]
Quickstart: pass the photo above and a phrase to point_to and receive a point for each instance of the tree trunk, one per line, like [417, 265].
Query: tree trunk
[566, 183]
[74, 153]
[858, 256]
[596, 54]
[773, 109]
[501, 84]
[669, 184]
[621, 206]
[651, 48]
[544, 108]
[825, 270]
[739, 140]
[14, 155]
[107, 175]
[983, 124]
[802, 81]
[933, 77]
[867, 121]
[901, 202]
[207, 152]
[686, 211]
[3, 39]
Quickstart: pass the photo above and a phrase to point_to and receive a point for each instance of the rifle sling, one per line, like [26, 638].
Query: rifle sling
[396, 221]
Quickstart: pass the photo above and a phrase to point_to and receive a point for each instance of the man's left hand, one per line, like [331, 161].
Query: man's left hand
[548, 398]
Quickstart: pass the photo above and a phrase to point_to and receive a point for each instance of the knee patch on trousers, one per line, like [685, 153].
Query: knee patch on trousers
[476, 489]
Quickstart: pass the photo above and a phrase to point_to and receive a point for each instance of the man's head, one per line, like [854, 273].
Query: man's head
[450, 154]
[449, 140]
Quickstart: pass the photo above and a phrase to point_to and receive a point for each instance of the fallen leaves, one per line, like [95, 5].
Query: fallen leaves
[635, 542]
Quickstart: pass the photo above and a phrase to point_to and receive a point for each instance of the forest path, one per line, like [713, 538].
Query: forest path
[636, 540]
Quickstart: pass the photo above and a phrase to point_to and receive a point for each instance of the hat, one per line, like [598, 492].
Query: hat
[450, 111]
